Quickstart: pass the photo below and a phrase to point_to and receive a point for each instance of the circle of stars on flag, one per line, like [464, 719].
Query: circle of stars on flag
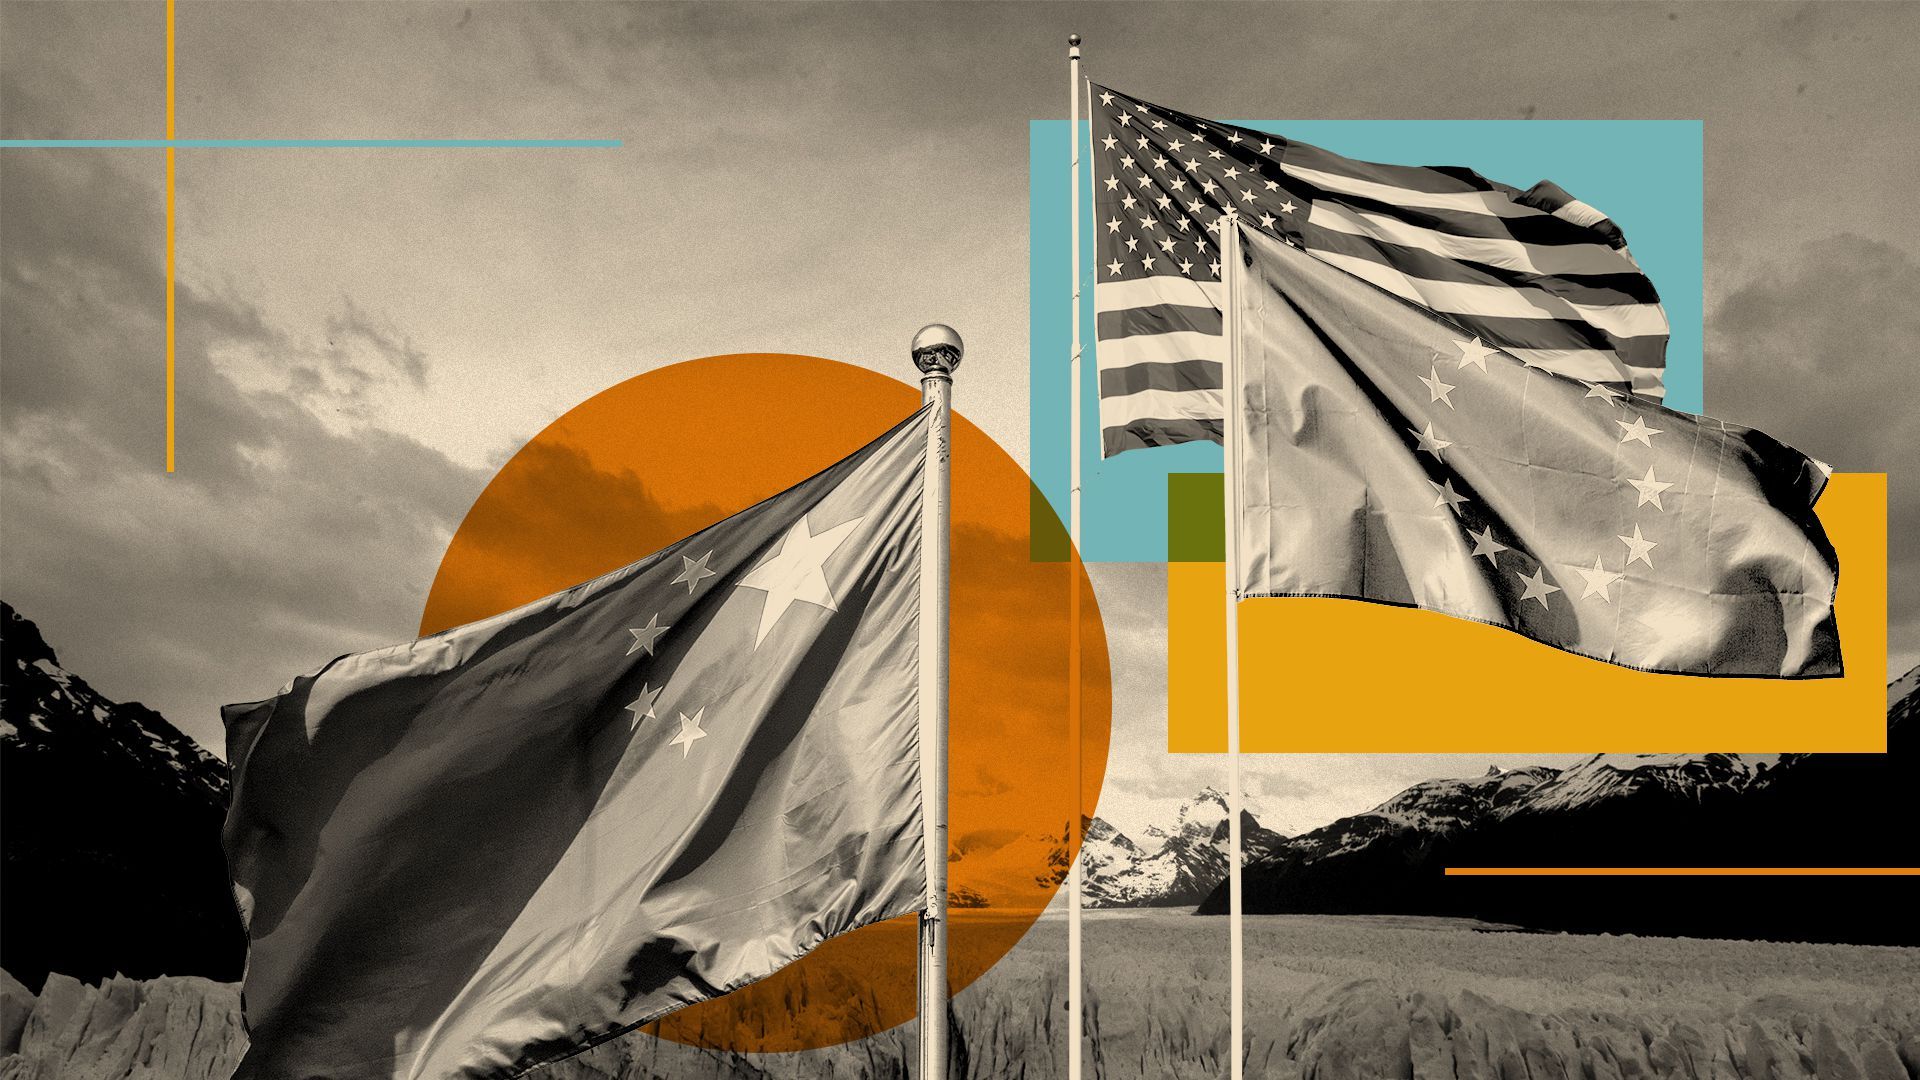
[1598, 580]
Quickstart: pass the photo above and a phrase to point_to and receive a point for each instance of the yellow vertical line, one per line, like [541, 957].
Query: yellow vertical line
[170, 230]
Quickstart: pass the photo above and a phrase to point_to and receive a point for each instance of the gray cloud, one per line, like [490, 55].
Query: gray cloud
[1815, 348]
[284, 538]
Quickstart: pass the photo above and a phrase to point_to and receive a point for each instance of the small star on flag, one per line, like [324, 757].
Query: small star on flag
[690, 732]
[1638, 547]
[644, 637]
[1485, 544]
[1638, 431]
[1537, 587]
[1428, 443]
[1599, 580]
[1444, 495]
[692, 571]
[1650, 488]
[642, 706]
[1441, 391]
[1472, 352]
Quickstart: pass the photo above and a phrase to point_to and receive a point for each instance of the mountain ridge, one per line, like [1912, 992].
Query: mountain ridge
[1701, 810]
[1177, 866]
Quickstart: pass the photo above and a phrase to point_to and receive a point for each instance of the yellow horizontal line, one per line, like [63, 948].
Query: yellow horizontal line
[1683, 871]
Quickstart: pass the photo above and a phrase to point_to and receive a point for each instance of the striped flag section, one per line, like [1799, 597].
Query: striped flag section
[1535, 273]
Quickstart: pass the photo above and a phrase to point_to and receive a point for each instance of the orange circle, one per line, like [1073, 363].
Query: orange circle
[660, 456]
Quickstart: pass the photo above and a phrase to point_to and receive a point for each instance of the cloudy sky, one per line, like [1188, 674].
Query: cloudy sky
[365, 335]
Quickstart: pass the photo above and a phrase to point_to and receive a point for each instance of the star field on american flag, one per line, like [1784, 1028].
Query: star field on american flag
[1166, 182]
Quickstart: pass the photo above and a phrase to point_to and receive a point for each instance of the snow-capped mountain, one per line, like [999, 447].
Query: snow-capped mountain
[1610, 776]
[45, 709]
[1176, 866]
[112, 841]
[1429, 808]
[1702, 810]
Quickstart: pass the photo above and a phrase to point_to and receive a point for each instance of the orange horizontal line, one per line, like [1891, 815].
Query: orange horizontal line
[1683, 871]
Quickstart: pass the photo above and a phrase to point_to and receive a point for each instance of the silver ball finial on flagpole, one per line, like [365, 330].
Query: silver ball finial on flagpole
[1073, 39]
[937, 349]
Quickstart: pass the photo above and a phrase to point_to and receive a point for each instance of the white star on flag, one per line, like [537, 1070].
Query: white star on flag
[1429, 443]
[1599, 580]
[1444, 495]
[796, 572]
[1650, 488]
[1485, 544]
[1638, 431]
[1439, 390]
[1537, 587]
[692, 571]
[644, 637]
[1472, 352]
[642, 706]
[690, 732]
[1638, 547]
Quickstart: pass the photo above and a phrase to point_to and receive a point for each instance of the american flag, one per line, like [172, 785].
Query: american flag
[1536, 273]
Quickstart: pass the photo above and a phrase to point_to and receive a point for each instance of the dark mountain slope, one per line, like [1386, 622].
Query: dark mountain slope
[1710, 810]
[111, 840]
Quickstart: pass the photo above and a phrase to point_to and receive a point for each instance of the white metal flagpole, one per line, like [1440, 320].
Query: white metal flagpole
[936, 352]
[1072, 838]
[1230, 267]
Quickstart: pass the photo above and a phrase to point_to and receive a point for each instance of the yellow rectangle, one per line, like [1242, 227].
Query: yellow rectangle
[1341, 676]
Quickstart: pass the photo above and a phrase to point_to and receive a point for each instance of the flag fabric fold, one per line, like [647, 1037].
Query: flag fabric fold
[487, 849]
[1535, 272]
[1384, 454]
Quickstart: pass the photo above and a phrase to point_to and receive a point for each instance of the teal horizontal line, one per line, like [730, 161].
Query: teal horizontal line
[423, 144]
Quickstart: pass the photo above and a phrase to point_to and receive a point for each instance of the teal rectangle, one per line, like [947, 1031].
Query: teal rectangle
[1647, 175]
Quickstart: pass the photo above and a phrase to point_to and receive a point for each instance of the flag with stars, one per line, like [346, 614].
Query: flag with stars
[1384, 455]
[1536, 272]
[490, 848]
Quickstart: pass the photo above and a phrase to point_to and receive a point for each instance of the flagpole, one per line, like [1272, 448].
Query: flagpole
[936, 352]
[1230, 491]
[1073, 840]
